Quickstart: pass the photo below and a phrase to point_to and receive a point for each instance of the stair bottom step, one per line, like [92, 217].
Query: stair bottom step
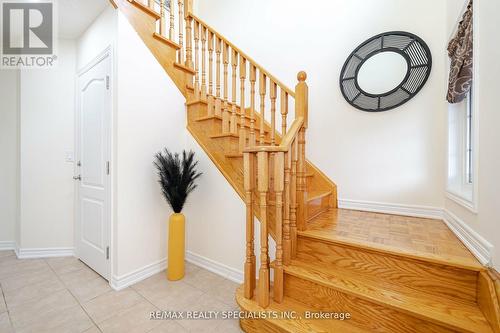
[291, 316]
[379, 306]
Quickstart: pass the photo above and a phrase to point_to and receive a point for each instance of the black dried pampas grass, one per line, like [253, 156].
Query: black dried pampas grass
[177, 176]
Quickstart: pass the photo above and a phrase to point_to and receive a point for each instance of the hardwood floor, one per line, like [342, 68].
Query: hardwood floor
[416, 237]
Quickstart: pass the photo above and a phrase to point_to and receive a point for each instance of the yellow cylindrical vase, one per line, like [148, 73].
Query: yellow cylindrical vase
[176, 229]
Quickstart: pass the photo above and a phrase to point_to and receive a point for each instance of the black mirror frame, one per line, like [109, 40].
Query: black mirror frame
[418, 58]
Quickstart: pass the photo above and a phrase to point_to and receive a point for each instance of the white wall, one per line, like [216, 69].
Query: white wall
[46, 189]
[396, 156]
[99, 35]
[9, 132]
[486, 221]
[150, 116]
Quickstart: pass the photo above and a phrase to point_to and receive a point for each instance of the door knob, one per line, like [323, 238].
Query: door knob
[77, 177]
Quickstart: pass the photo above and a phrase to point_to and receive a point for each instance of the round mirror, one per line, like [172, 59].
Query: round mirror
[385, 71]
[382, 72]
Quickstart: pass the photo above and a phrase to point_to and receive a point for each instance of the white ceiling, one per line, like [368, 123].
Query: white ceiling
[76, 15]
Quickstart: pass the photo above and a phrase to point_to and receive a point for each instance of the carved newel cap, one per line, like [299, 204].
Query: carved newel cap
[302, 76]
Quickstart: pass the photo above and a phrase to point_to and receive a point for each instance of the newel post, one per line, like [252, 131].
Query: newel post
[301, 110]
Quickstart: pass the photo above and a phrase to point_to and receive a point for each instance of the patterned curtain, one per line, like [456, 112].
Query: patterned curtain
[460, 53]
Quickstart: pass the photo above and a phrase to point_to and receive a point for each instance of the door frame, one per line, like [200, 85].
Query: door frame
[108, 52]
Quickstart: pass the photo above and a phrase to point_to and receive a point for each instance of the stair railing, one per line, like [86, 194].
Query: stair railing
[236, 88]
[285, 181]
[230, 82]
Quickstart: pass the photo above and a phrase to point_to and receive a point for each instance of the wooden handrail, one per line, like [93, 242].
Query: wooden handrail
[289, 91]
[287, 140]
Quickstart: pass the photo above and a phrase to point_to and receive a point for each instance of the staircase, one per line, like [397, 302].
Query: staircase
[369, 272]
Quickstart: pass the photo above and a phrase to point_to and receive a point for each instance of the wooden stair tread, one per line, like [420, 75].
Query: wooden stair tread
[212, 117]
[166, 40]
[334, 227]
[146, 9]
[209, 118]
[457, 315]
[313, 195]
[184, 68]
[300, 324]
[227, 135]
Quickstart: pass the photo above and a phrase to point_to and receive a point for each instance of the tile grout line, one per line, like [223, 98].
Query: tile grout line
[5, 301]
[7, 309]
[54, 266]
[76, 299]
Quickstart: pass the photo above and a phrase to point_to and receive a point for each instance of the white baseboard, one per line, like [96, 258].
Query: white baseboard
[479, 246]
[28, 253]
[7, 245]
[125, 280]
[388, 208]
[215, 267]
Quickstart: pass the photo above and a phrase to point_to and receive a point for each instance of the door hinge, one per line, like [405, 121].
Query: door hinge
[107, 252]
[107, 82]
[107, 167]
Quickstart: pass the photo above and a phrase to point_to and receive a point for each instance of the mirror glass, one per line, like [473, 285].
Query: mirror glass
[382, 72]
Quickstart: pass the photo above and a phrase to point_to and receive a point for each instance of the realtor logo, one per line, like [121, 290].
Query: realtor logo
[27, 34]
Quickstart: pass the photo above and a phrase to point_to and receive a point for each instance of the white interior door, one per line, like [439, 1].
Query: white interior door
[93, 153]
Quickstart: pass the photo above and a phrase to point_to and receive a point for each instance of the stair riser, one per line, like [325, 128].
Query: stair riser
[368, 315]
[196, 110]
[213, 125]
[259, 326]
[385, 268]
[230, 144]
[317, 206]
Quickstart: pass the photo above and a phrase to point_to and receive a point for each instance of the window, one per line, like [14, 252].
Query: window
[468, 140]
[461, 152]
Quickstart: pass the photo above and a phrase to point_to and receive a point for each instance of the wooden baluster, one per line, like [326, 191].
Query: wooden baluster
[253, 78]
[162, 17]
[210, 97]
[218, 103]
[301, 181]
[287, 245]
[301, 110]
[197, 60]
[262, 92]
[243, 129]
[181, 29]
[171, 31]
[189, 48]
[225, 114]
[272, 93]
[249, 173]
[262, 187]
[234, 119]
[279, 182]
[284, 110]
[293, 198]
[151, 4]
[203, 64]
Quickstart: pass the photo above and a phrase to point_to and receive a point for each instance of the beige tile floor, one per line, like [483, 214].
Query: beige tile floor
[60, 295]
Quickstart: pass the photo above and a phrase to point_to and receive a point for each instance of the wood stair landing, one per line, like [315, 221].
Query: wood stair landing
[419, 238]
